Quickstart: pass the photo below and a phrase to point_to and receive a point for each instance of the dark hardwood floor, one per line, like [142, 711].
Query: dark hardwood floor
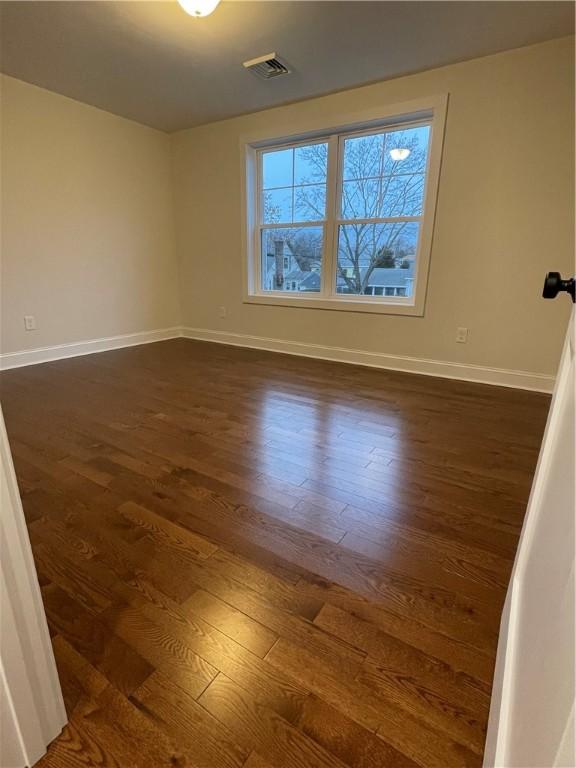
[257, 560]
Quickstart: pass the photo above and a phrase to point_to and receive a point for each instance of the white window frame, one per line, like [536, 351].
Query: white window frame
[430, 110]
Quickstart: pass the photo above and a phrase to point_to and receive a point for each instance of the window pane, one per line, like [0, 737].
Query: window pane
[310, 202]
[294, 184]
[310, 164]
[278, 168]
[360, 199]
[415, 140]
[377, 258]
[401, 195]
[384, 174]
[363, 156]
[291, 259]
[277, 206]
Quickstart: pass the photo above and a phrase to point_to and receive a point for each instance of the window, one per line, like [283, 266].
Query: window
[292, 204]
[344, 220]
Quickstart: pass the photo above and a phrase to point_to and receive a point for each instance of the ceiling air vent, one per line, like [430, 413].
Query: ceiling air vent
[266, 67]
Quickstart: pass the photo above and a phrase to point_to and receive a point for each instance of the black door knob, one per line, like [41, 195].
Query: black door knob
[553, 285]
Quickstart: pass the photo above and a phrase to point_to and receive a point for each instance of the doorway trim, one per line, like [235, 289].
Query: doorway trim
[32, 703]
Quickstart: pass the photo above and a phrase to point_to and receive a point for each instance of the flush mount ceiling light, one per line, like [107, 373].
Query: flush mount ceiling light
[199, 8]
[400, 153]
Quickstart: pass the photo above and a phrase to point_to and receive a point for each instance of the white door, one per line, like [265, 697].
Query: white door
[32, 711]
[532, 712]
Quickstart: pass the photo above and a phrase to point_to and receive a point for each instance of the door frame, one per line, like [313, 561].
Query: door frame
[502, 705]
[31, 697]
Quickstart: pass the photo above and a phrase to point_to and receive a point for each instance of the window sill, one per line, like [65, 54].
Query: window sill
[341, 305]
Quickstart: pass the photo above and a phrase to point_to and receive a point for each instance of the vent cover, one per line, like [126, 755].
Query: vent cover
[266, 67]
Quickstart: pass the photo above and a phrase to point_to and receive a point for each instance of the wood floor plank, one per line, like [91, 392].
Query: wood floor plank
[176, 711]
[255, 725]
[251, 560]
[255, 761]
[350, 742]
[131, 735]
[442, 571]
[118, 662]
[402, 730]
[436, 644]
[239, 626]
[280, 622]
[173, 640]
[76, 747]
[103, 716]
[161, 648]
[275, 590]
[451, 683]
[74, 581]
[78, 677]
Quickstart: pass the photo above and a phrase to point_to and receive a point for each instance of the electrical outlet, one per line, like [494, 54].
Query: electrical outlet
[461, 335]
[222, 312]
[29, 322]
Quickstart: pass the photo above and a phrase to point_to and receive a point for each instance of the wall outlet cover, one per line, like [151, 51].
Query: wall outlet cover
[461, 335]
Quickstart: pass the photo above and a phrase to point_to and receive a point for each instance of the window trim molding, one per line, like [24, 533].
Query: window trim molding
[431, 108]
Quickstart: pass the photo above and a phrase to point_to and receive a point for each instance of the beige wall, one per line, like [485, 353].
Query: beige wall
[87, 222]
[504, 217]
[88, 205]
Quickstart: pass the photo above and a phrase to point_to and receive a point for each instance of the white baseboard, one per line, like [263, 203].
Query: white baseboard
[481, 374]
[77, 348]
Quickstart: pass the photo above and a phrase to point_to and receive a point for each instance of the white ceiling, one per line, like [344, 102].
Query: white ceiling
[151, 62]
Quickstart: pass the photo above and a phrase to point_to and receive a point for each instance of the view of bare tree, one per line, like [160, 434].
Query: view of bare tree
[380, 199]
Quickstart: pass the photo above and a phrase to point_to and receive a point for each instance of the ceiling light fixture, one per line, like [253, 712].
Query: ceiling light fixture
[199, 8]
[400, 153]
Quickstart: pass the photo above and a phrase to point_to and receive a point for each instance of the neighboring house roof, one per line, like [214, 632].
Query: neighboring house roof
[311, 282]
[390, 277]
[296, 274]
[308, 280]
[393, 277]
